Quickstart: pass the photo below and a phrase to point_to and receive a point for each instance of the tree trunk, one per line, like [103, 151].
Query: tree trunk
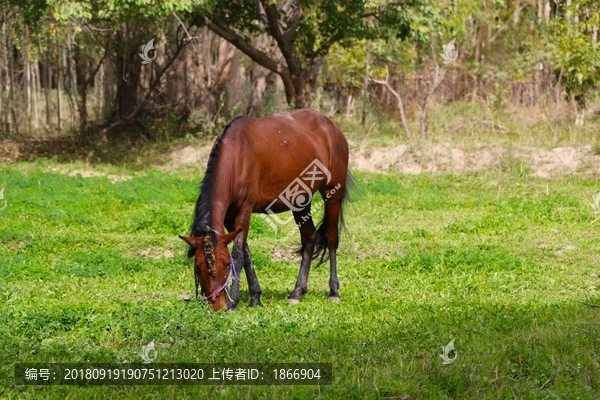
[214, 64]
[128, 69]
[25, 89]
[59, 85]
[47, 83]
[68, 82]
[350, 103]
[259, 85]
[1, 98]
[3, 72]
[304, 81]
[81, 67]
[300, 74]
[363, 117]
[72, 79]
[580, 107]
[45, 77]
[108, 89]
[98, 92]
[279, 92]
[35, 72]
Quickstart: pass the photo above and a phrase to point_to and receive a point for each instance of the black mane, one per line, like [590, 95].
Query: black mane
[202, 211]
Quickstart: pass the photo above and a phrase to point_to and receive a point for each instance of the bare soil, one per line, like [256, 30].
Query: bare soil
[447, 158]
[441, 158]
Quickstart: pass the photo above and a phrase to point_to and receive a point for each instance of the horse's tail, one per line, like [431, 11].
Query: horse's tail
[321, 248]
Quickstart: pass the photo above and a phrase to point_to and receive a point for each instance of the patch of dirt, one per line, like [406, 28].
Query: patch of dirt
[191, 155]
[90, 173]
[449, 158]
[441, 158]
[560, 160]
[287, 254]
[153, 252]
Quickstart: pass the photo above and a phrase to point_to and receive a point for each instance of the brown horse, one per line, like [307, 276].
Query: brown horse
[268, 165]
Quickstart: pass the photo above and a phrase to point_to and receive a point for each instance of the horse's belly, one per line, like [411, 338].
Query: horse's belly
[296, 196]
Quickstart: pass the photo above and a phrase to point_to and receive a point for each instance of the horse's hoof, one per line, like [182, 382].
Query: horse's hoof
[185, 297]
[335, 299]
[293, 301]
[258, 304]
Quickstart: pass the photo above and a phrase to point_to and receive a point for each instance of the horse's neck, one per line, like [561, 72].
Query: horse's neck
[214, 201]
[215, 218]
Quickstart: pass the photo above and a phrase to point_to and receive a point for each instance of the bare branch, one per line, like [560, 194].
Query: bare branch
[218, 26]
[295, 16]
[400, 104]
[189, 37]
[557, 89]
[438, 76]
[284, 42]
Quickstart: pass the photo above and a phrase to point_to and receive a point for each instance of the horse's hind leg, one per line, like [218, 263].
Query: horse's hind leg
[333, 207]
[253, 286]
[308, 235]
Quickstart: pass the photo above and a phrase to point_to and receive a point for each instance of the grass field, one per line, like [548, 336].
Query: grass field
[90, 270]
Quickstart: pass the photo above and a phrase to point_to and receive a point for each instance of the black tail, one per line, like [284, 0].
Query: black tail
[321, 249]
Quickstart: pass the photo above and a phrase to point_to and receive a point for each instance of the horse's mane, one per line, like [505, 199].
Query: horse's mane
[202, 211]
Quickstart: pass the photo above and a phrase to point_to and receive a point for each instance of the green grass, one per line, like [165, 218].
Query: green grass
[500, 263]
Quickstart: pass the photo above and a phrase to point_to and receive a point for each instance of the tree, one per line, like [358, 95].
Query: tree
[113, 30]
[577, 52]
[304, 31]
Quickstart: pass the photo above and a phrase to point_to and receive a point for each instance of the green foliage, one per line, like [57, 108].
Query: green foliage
[327, 22]
[117, 11]
[32, 10]
[571, 45]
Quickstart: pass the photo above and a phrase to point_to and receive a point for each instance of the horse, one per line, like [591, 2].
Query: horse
[268, 165]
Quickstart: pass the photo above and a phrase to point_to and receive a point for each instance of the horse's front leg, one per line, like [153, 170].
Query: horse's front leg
[241, 221]
[308, 235]
[253, 286]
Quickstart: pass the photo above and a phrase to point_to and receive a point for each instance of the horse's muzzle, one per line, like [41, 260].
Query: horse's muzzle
[219, 302]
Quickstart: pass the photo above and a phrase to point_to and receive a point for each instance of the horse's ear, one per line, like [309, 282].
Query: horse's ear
[195, 242]
[230, 236]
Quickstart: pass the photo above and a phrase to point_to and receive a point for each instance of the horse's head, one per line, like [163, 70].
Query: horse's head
[213, 265]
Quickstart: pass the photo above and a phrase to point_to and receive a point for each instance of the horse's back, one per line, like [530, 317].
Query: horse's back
[271, 152]
[297, 134]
